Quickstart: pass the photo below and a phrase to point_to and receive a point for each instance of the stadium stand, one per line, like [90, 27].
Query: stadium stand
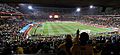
[12, 41]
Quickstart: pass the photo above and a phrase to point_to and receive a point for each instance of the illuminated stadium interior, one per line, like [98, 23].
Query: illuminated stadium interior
[60, 27]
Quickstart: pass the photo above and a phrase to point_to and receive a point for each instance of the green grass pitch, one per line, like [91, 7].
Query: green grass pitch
[57, 28]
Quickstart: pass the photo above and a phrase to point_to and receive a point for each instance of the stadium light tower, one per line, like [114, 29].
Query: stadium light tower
[78, 10]
[30, 7]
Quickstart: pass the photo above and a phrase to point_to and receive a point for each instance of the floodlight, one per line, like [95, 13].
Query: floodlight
[30, 7]
[91, 6]
[78, 9]
[50, 16]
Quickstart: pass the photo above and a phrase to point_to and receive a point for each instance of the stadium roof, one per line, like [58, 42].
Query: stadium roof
[67, 3]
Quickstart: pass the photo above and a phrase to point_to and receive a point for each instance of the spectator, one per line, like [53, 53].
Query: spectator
[65, 47]
[20, 50]
[75, 49]
[7, 50]
[85, 48]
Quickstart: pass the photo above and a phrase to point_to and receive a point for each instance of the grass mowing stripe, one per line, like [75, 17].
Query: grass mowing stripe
[61, 31]
[98, 29]
[45, 31]
[63, 28]
[94, 29]
[55, 28]
[48, 25]
[42, 29]
[66, 27]
[60, 28]
[71, 26]
[81, 27]
[39, 30]
[88, 28]
[50, 31]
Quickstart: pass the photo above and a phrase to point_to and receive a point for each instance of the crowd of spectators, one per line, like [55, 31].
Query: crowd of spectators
[101, 20]
[79, 45]
[111, 11]
[9, 29]
[7, 8]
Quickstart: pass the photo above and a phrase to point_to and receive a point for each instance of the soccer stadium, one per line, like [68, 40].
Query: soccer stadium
[63, 27]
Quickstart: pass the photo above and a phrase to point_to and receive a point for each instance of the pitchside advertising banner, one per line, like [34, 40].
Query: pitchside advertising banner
[87, 31]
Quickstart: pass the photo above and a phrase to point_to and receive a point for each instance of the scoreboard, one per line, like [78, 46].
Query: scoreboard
[54, 15]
